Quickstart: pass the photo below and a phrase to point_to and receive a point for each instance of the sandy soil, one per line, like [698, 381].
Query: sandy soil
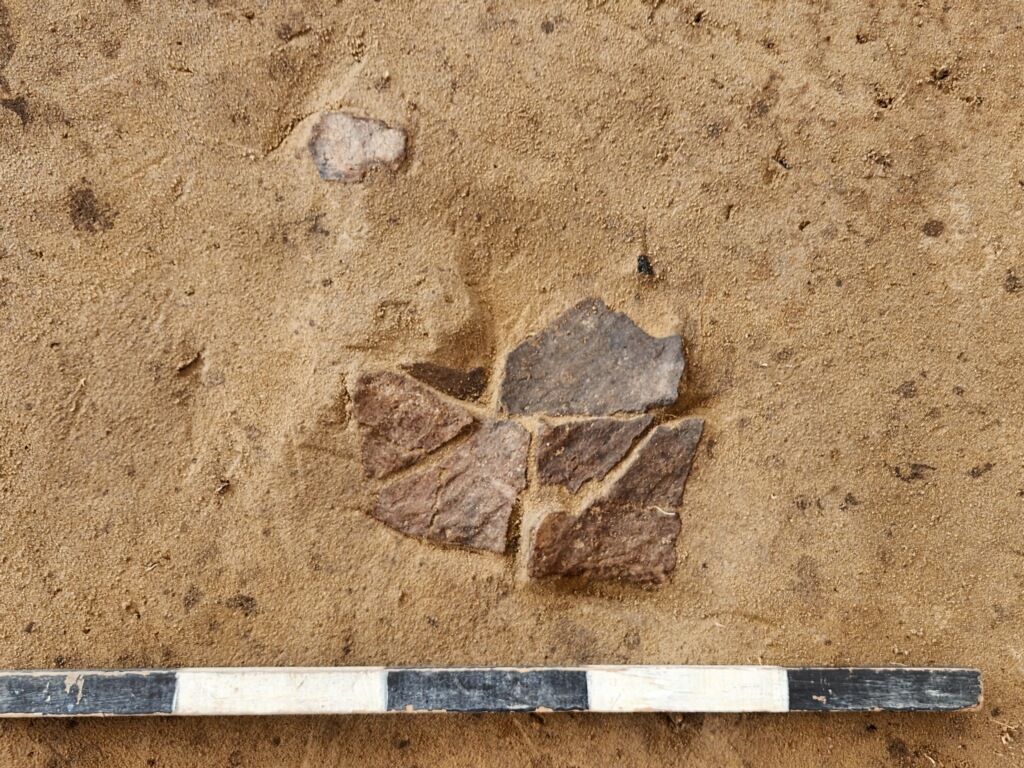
[830, 195]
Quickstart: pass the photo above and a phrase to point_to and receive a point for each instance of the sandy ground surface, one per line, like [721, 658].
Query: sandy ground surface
[830, 195]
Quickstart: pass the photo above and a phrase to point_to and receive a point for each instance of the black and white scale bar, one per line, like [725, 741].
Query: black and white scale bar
[362, 690]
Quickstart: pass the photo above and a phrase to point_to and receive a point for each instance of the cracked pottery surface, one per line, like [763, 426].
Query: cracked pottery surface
[466, 496]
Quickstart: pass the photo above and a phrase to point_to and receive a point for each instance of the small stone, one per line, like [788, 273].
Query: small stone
[656, 475]
[592, 361]
[344, 147]
[467, 498]
[401, 421]
[464, 385]
[607, 542]
[571, 454]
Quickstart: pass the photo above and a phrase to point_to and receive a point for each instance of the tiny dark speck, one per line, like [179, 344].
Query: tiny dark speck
[88, 214]
[547, 26]
[244, 603]
[933, 228]
[907, 389]
[977, 472]
[643, 266]
[1012, 283]
[898, 749]
[286, 32]
[18, 106]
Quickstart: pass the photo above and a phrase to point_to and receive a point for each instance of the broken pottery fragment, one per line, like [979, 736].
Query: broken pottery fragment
[401, 421]
[467, 498]
[407, 503]
[623, 543]
[570, 454]
[656, 475]
[479, 487]
[592, 361]
[628, 533]
[464, 385]
[344, 146]
[599, 371]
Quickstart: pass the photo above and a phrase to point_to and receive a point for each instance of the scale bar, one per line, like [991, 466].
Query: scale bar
[366, 690]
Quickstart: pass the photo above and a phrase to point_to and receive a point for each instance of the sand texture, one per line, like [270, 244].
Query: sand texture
[830, 197]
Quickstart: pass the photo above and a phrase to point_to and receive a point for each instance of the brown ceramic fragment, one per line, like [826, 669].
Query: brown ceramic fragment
[465, 385]
[657, 473]
[401, 421]
[344, 146]
[607, 542]
[467, 498]
[570, 454]
[592, 361]
[407, 503]
[480, 483]
[630, 532]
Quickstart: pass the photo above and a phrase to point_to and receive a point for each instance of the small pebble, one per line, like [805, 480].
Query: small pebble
[344, 147]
